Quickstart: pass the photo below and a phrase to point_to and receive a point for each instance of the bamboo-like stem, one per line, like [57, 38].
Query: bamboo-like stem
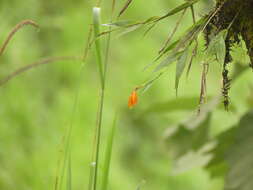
[101, 66]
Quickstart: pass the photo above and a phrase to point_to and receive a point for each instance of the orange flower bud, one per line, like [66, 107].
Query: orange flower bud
[133, 99]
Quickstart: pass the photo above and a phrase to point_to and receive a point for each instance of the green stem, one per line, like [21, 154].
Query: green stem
[98, 137]
[96, 25]
[102, 72]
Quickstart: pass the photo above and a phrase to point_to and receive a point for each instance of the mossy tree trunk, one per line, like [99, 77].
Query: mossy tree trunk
[237, 17]
[242, 12]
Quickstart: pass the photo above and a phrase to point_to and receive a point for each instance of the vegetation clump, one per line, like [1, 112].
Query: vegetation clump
[237, 18]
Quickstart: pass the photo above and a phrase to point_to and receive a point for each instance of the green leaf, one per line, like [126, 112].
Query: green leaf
[181, 139]
[240, 156]
[233, 155]
[172, 57]
[181, 103]
[149, 83]
[179, 8]
[190, 35]
[170, 47]
[218, 166]
[130, 29]
[217, 47]
[191, 133]
[181, 66]
[186, 39]
[122, 23]
[150, 19]
[194, 159]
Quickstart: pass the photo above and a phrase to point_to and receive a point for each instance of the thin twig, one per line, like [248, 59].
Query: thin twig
[173, 32]
[37, 63]
[125, 7]
[14, 30]
[211, 16]
[194, 53]
[203, 85]
[195, 49]
[193, 14]
[88, 44]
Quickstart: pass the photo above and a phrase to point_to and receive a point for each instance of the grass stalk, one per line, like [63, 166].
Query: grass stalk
[96, 28]
[108, 154]
[102, 67]
[98, 138]
[66, 142]
[69, 174]
[95, 159]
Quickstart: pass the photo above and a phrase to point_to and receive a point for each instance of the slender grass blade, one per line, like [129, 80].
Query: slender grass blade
[108, 154]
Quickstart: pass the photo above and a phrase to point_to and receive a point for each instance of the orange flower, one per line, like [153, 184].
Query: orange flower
[133, 99]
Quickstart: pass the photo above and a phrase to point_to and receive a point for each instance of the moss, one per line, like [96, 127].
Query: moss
[238, 14]
[241, 11]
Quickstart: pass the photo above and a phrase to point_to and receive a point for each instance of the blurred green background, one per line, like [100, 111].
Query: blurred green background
[37, 106]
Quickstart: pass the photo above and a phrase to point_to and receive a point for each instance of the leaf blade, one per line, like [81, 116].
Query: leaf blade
[181, 66]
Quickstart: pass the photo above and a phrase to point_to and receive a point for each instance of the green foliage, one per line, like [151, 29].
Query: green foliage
[35, 107]
[170, 59]
[193, 159]
[181, 66]
[233, 150]
[240, 161]
[217, 48]
[108, 154]
[96, 28]
[227, 155]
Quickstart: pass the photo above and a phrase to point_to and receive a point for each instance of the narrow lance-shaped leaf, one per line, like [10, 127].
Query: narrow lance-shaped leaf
[167, 49]
[151, 20]
[170, 37]
[122, 23]
[149, 83]
[179, 8]
[185, 39]
[191, 34]
[170, 47]
[130, 29]
[181, 66]
[170, 59]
